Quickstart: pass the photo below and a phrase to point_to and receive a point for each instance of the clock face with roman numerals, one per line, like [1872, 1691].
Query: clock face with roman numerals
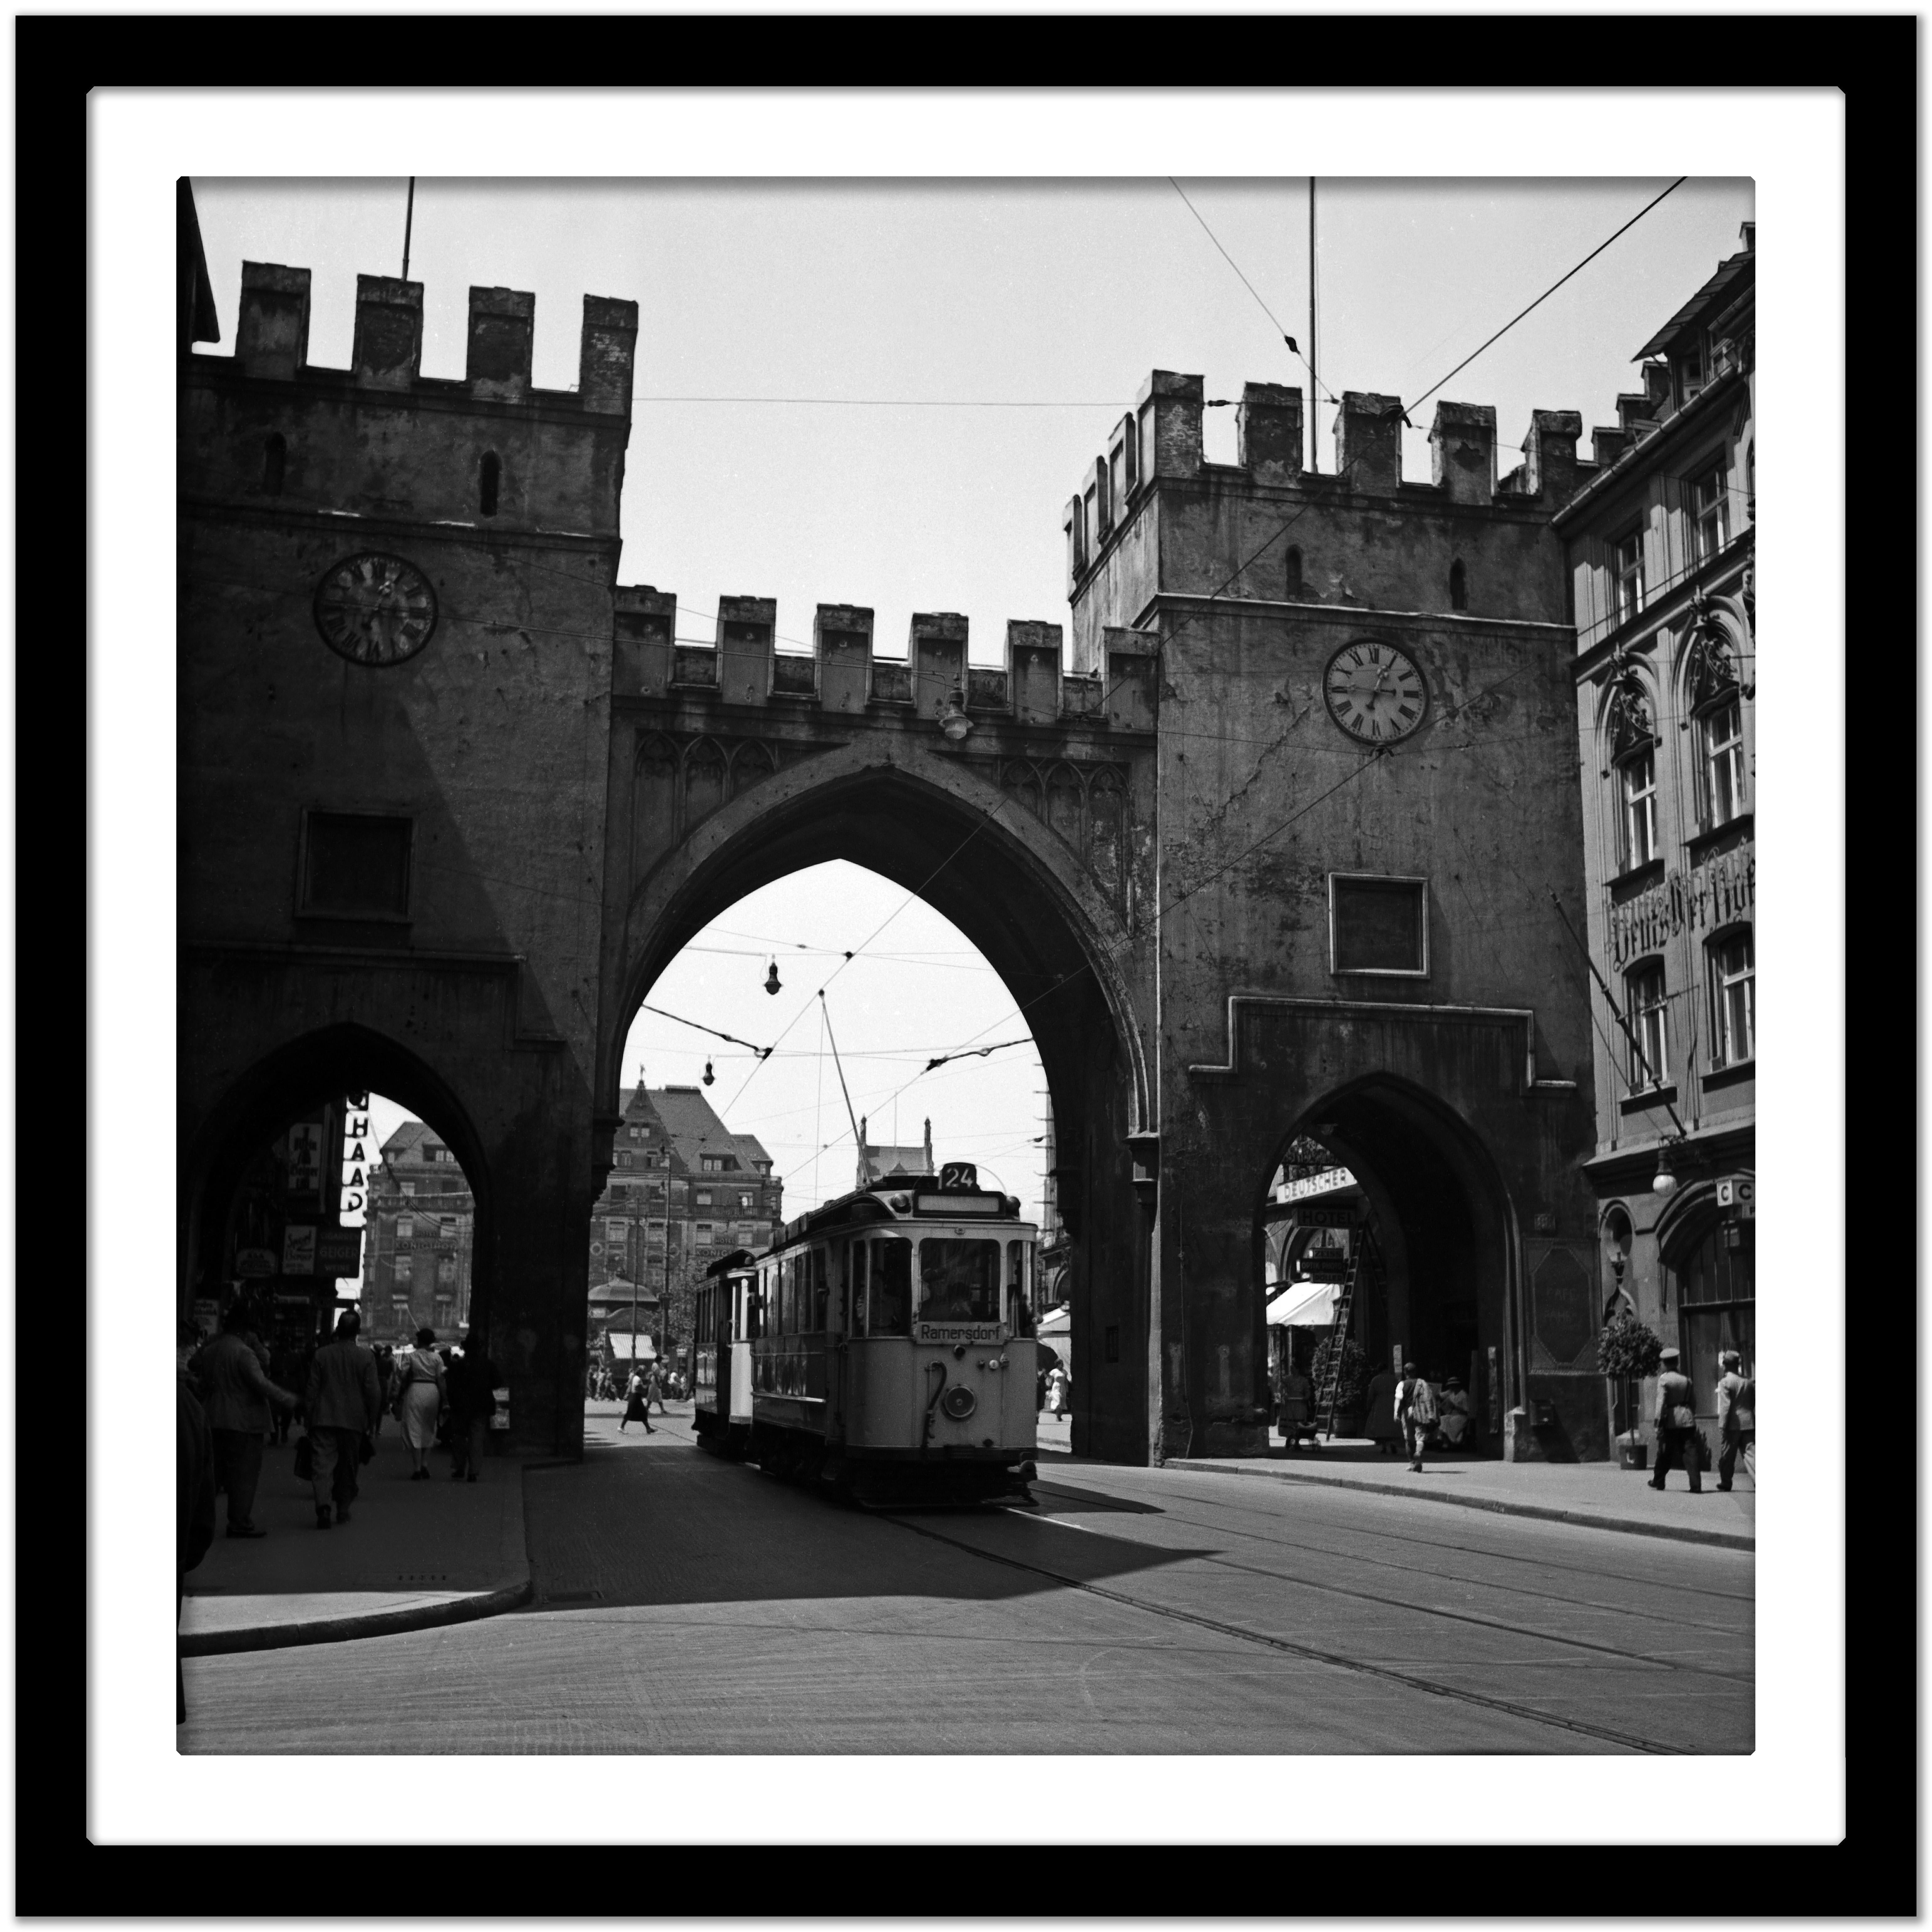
[1374, 692]
[375, 609]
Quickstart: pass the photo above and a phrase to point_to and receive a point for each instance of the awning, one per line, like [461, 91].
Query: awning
[1060, 1322]
[1307, 1304]
[629, 1348]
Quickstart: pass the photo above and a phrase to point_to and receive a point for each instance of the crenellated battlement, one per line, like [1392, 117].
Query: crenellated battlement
[842, 673]
[1160, 443]
[267, 424]
[271, 342]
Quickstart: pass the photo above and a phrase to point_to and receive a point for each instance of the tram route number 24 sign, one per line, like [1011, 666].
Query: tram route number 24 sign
[1737, 1196]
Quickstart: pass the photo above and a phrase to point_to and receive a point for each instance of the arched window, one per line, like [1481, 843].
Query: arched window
[486, 493]
[1733, 984]
[1459, 586]
[1633, 748]
[1717, 721]
[274, 464]
[1293, 587]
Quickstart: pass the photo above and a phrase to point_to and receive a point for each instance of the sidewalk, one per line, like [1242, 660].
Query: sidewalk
[413, 1556]
[1599, 1495]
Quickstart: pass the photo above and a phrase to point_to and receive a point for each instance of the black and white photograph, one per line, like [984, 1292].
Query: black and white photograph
[965, 970]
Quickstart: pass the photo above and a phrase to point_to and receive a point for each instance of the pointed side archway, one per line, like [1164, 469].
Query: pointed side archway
[287, 1085]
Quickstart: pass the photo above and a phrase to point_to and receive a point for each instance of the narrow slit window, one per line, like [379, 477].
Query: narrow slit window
[486, 493]
[274, 465]
[1459, 586]
[1294, 572]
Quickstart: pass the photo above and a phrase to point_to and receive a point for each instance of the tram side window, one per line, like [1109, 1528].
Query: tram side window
[1019, 1287]
[815, 1274]
[856, 1256]
[891, 1297]
[959, 1281]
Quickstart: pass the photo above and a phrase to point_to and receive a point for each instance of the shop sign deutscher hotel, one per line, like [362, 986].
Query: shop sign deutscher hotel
[1709, 895]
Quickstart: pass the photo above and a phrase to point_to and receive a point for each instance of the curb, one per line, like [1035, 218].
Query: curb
[345, 1629]
[1624, 1525]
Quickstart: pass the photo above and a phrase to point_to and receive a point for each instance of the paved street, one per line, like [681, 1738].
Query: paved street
[688, 1604]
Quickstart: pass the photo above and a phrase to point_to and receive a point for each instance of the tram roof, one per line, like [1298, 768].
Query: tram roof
[867, 1205]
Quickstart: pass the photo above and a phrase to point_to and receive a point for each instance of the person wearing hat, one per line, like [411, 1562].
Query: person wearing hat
[1415, 1410]
[1452, 1426]
[1737, 1418]
[1676, 1423]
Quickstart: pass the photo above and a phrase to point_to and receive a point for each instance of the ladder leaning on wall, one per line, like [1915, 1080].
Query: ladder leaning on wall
[1328, 1390]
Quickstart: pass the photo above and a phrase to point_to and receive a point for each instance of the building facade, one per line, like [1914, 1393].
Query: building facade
[1660, 548]
[419, 1241]
[683, 1190]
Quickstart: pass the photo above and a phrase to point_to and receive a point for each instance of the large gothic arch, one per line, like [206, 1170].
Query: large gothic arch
[1031, 858]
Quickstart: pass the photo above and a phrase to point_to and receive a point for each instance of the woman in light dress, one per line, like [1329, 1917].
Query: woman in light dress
[422, 1395]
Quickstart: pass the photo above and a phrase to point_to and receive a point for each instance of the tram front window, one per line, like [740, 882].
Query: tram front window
[888, 1296]
[959, 1281]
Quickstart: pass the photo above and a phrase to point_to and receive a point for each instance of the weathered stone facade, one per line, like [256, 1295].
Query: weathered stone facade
[1226, 922]
[1457, 1088]
[391, 864]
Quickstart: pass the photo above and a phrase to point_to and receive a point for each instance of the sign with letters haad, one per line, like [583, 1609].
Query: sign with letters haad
[1722, 889]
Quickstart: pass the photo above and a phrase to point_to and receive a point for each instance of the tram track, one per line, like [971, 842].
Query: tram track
[1644, 1613]
[1310, 1653]
[1381, 1535]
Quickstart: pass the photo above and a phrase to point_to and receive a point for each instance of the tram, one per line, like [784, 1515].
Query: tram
[891, 1342]
[721, 1356]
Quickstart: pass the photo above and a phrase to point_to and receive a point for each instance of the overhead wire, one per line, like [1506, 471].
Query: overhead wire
[1295, 348]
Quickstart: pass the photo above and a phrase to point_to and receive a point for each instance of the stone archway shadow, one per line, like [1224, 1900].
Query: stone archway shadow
[319, 1066]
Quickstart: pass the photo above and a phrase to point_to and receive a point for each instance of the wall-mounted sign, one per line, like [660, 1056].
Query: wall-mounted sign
[305, 1158]
[256, 1264]
[338, 1251]
[1737, 1195]
[1328, 1217]
[298, 1248]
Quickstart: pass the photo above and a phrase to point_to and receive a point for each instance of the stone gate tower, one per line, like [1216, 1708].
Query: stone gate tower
[395, 617]
[1367, 793]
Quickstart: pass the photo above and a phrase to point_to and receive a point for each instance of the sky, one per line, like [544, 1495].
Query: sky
[1008, 325]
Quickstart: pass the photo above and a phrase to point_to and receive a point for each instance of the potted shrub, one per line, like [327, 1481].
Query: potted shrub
[1352, 1395]
[1628, 1351]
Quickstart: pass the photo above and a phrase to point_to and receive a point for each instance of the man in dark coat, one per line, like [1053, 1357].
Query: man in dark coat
[343, 1400]
[194, 1505]
[473, 1402]
[237, 1396]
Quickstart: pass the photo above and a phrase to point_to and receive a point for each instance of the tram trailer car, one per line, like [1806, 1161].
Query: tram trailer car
[722, 1353]
[892, 1344]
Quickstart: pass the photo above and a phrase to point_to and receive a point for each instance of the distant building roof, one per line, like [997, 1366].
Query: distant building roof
[1724, 284]
[411, 1133]
[690, 1127]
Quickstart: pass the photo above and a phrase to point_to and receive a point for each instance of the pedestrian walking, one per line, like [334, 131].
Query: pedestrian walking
[1415, 1411]
[1059, 1383]
[1676, 1423]
[636, 1408]
[654, 1388]
[422, 1396]
[1384, 1424]
[385, 1379]
[1737, 1419]
[194, 1506]
[472, 1401]
[237, 1397]
[343, 1400]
